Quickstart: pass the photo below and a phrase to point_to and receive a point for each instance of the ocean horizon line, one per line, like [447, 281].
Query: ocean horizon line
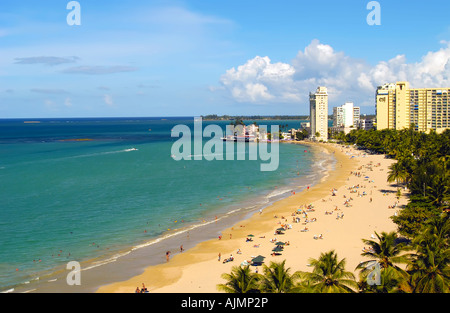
[250, 117]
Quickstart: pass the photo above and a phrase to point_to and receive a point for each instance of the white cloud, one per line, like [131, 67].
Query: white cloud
[260, 81]
[108, 100]
[433, 70]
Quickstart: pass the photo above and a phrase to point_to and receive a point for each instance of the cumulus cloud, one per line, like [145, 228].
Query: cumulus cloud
[261, 81]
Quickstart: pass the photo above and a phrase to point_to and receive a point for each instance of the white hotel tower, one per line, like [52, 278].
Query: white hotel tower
[318, 108]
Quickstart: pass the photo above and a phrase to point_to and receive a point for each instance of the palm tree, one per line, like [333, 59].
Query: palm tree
[397, 173]
[329, 275]
[241, 280]
[438, 192]
[386, 252]
[430, 270]
[435, 230]
[390, 282]
[277, 278]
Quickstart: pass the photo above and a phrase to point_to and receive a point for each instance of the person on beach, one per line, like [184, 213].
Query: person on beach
[219, 256]
[167, 256]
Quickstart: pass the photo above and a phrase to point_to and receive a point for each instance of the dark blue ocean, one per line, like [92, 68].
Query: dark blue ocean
[87, 189]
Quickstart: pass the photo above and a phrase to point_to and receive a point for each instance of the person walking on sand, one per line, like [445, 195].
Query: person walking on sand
[219, 257]
[167, 256]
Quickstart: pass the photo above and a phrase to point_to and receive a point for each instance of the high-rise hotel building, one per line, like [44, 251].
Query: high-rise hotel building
[398, 106]
[346, 115]
[318, 109]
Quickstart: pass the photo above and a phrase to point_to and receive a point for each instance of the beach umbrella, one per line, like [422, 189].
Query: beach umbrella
[280, 243]
[281, 229]
[258, 259]
[277, 249]
[250, 235]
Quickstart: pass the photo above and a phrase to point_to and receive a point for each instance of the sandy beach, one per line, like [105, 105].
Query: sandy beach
[362, 204]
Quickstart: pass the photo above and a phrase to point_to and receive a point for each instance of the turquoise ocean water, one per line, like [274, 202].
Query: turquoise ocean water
[65, 199]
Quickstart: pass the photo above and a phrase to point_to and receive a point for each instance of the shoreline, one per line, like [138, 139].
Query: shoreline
[130, 262]
[180, 273]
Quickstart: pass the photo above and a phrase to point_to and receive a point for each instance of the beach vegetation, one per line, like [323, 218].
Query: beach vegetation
[387, 251]
[301, 135]
[277, 278]
[328, 275]
[422, 165]
[240, 280]
[429, 264]
[397, 173]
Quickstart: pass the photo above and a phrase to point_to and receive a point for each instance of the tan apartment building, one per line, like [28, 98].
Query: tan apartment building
[398, 106]
[318, 108]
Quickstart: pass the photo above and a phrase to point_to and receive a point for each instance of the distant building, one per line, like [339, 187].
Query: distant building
[398, 106]
[318, 107]
[345, 118]
[306, 126]
[366, 124]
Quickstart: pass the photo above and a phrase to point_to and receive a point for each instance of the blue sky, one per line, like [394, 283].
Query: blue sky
[193, 57]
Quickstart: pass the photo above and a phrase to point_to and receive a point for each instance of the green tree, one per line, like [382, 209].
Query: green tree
[328, 275]
[390, 282]
[396, 173]
[411, 219]
[387, 252]
[277, 278]
[429, 266]
[429, 269]
[241, 280]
